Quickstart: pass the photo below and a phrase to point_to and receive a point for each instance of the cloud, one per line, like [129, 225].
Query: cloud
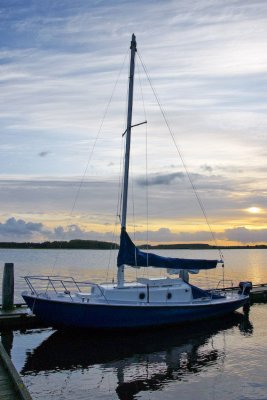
[43, 153]
[206, 168]
[74, 231]
[161, 179]
[201, 181]
[59, 64]
[94, 200]
[244, 235]
[59, 201]
[13, 229]
[165, 235]
[22, 231]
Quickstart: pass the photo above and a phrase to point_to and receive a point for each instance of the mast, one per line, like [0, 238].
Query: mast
[120, 275]
[128, 134]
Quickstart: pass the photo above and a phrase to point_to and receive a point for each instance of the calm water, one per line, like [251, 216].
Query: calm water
[99, 265]
[215, 360]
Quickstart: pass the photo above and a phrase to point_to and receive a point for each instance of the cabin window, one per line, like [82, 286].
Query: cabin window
[142, 296]
[169, 296]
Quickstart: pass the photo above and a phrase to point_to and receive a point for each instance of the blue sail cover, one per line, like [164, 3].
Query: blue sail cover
[129, 254]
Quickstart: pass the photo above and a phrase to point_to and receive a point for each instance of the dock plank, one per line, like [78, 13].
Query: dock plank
[7, 390]
[12, 385]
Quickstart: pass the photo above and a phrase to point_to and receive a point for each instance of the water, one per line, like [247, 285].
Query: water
[99, 265]
[213, 360]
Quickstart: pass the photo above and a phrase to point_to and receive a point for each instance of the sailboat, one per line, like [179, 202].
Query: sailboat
[145, 303]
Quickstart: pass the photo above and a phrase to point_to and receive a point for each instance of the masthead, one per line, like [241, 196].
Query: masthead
[133, 42]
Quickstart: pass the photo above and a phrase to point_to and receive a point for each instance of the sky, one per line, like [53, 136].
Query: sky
[64, 77]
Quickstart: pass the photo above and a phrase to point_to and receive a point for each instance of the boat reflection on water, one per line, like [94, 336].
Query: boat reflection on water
[142, 361]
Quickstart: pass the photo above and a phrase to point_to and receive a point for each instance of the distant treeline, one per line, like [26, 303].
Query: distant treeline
[98, 245]
[72, 244]
[203, 246]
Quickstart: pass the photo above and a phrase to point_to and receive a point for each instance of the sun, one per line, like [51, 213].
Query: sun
[254, 210]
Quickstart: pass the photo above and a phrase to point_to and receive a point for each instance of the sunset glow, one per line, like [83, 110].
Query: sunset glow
[60, 65]
[254, 210]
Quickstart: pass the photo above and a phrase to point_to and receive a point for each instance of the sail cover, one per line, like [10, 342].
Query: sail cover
[129, 254]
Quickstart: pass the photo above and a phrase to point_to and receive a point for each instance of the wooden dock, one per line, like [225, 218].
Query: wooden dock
[11, 385]
[258, 293]
[19, 317]
[7, 390]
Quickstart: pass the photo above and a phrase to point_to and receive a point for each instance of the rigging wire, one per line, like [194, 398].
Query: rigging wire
[89, 159]
[146, 159]
[97, 137]
[119, 191]
[181, 157]
[133, 208]
[117, 216]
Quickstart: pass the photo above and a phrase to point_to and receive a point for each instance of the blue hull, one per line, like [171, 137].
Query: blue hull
[99, 316]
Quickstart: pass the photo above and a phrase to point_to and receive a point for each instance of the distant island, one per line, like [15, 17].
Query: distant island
[99, 245]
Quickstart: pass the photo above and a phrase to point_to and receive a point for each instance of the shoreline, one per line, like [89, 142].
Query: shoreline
[97, 245]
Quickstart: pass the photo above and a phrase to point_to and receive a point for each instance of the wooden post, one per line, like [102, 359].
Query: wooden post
[8, 287]
[7, 338]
